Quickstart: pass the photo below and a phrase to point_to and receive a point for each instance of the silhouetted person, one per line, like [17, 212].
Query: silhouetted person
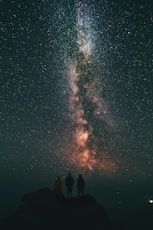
[58, 184]
[69, 185]
[80, 185]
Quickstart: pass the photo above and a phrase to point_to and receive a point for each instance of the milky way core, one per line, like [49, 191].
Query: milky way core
[91, 123]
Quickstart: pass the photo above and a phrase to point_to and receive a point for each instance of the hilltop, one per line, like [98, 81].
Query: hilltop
[47, 209]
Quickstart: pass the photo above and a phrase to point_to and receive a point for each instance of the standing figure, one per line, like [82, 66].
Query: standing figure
[69, 182]
[58, 184]
[80, 185]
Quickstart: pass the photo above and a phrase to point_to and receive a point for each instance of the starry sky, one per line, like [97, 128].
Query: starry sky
[77, 96]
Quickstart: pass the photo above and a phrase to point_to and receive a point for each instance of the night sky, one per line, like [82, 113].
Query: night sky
[76, 96]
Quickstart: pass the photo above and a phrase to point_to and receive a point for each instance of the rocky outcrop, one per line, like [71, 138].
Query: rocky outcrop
[46, 209]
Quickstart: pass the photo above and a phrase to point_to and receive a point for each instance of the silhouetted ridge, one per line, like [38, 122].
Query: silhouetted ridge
[43, 197]
[83, 201]
[47, 209]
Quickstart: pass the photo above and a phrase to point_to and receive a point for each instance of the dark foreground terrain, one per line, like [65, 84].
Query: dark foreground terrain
[46, 209]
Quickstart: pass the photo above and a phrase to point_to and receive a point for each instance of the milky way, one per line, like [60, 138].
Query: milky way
[95, 92]
[89, 140]
[77, 86]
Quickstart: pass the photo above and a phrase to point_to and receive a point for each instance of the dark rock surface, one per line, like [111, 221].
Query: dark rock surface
[46, 209]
